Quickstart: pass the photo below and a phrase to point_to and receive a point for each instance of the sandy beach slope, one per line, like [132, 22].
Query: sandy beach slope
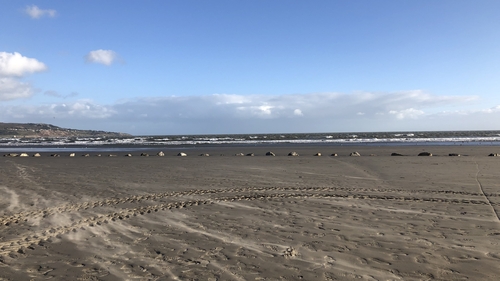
[227, 217]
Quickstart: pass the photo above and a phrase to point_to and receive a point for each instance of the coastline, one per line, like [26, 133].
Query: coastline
[249, 218]
[304, 149]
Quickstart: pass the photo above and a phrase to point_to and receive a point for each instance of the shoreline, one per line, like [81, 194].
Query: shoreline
[260, 150]
[270, 143]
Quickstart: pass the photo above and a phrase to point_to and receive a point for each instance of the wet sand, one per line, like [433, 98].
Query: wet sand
[227, 217]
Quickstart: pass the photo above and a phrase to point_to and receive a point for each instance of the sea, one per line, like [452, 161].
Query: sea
[489, 138]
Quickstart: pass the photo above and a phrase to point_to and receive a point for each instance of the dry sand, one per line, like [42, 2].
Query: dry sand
[226, 217]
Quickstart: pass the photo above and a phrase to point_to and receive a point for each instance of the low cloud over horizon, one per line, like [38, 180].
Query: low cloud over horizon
[230, 113]
[224, 113]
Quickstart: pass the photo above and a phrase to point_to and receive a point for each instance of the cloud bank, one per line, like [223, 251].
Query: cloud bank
[35, 13]
[106, 57]
[224, 113]
[13, 67]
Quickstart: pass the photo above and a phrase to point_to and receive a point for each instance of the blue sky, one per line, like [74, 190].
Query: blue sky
[201, 67]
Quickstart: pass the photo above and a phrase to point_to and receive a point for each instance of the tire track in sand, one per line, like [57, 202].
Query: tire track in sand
[480, 185]
[29, 242]
[22, 217]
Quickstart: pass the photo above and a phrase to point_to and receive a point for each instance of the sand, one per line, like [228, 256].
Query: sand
[227, 217]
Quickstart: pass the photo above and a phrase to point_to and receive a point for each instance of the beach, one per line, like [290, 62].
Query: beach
[228, 217]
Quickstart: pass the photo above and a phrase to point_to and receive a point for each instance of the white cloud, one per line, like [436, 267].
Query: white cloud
[15, 64]
[407, 113]
[11, 89]
[265, 109]
[413, 110]
[229, 99]
[106, 57]
[36, 13]
[492, 110]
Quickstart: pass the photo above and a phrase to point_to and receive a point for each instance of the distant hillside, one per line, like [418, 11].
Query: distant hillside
[33, 130]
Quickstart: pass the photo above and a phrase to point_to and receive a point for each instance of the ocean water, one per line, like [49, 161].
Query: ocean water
[173, 141]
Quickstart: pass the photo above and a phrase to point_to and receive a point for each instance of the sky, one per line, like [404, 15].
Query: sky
[161, 67]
